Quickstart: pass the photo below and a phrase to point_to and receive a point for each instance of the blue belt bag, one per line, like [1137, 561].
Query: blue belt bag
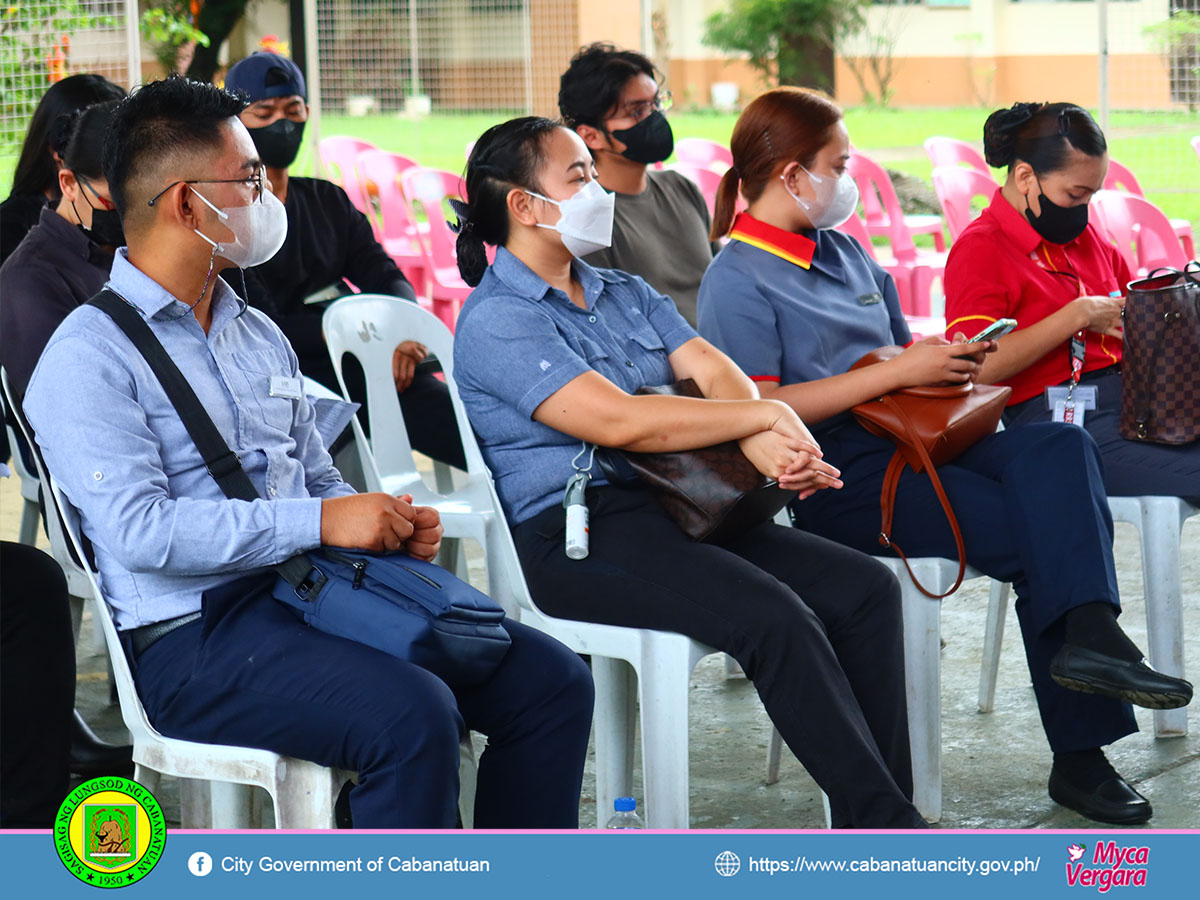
[393, 602]
[404, 606]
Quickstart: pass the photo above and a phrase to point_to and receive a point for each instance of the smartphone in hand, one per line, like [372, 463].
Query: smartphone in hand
[995, 331]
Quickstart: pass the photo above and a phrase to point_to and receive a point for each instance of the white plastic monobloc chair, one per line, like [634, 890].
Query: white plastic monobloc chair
[1159, 521]
[922, 675]
[631, 667]
[303, 793]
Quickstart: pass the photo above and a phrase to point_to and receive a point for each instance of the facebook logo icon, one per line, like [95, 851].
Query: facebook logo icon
[200, 864]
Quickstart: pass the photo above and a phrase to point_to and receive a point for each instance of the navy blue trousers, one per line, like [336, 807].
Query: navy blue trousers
[1131, 468]
[250, 673]
[1031, 505]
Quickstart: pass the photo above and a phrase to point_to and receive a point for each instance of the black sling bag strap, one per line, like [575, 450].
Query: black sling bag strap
[222, 463]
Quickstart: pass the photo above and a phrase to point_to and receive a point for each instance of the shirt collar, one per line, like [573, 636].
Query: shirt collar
[795, 248]
[64, 232]
[527, 283]
[150, 297]
[1014, 224]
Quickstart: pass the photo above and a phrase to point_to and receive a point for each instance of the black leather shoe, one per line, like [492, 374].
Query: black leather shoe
[1114, 802]
[93, 758]
[1080, 669]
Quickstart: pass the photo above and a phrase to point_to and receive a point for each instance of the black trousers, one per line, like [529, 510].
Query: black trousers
[252, 674]
[37, 684]
[1131, 468]
[815, 626]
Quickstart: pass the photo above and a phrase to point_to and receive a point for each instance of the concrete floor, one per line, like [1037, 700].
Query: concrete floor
[995, 765]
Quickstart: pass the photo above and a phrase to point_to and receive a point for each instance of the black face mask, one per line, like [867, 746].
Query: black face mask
[279, 142]
[106, 229]
[649, 141]
[1057, 224]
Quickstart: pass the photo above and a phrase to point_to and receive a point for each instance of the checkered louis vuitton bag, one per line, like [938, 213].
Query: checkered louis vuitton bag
[1160, 393]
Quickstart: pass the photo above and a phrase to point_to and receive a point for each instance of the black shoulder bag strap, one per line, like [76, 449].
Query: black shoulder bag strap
[222, 463]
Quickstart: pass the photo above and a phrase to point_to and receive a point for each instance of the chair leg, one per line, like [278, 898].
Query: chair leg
[993, 637]
[1160, 536]
[663, 692]
[305, 797]
[31, 517]
[230, 804]
[613, 722]
[774, 756]
[922, 670]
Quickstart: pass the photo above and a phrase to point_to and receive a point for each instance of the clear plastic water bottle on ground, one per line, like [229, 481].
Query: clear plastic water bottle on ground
[625, 815]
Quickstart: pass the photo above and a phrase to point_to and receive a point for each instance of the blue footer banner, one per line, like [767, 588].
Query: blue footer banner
[121, 847]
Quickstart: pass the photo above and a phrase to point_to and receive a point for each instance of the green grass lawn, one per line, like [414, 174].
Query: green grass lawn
[1153, 145]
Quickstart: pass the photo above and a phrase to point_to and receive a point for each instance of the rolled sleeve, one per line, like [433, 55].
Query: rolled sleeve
[978, 291]
[662, 314]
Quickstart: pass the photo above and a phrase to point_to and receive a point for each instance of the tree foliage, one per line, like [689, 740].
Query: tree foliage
[789, 41]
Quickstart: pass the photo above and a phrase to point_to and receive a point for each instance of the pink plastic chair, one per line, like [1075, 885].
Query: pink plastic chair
[1120, 178]
[1196, 144]
[426, 190]
[703, 154]
[880, 205]
[956, 190]
[379, 173]
[951, 152]
[1141, 232]
[900, 272]
[877, 192]
[339, 156]
[708, 181]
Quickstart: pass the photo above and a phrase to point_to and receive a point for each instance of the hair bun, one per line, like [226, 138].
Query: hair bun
[1000, 132]
[59, 134]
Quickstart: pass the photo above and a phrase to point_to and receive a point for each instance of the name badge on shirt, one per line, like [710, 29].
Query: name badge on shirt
[1084, 397]
[286, 386]
[870, 299]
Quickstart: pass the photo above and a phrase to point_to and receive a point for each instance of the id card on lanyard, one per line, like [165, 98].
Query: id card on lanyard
[1072, 407]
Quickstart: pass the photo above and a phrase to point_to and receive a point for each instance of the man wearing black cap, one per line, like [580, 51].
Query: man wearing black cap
[329, 242]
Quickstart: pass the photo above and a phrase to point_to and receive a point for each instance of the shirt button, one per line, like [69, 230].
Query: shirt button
[97, 475]
[271, 491]
[592, 319]
[629, 362]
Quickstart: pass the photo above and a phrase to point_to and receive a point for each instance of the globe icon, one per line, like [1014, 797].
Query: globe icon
[727, 863]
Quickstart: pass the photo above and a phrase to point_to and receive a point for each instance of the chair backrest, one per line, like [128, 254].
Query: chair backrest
[426, 191]
[1196, 145]
[703, 154]
[706, 179]
[369, 327]
[63, 529]
[857, 229]
[879, 202]
[379, 175]
[944, 151]
[956, 190]
[1141, 231]
[1120, 178]
[339, 156]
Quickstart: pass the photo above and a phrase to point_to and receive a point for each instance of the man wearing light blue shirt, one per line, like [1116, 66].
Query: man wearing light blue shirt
[186, 570]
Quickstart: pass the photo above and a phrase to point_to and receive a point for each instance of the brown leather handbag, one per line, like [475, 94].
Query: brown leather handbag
[714, 494]
[1160, 369]
[930, 426]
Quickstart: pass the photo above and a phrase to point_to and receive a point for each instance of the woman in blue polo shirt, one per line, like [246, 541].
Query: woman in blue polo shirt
[547, 354]
[795, 304]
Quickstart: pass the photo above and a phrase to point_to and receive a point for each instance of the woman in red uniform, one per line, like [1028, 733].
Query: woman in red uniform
[1033, 256]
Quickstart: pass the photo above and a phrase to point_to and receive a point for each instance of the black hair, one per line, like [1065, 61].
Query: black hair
[159, 123]
[78, 138]
[36, 172]
[1040, 134]
[590, 88]
[506, 156]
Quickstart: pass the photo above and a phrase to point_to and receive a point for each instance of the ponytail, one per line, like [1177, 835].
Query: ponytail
[727, 192]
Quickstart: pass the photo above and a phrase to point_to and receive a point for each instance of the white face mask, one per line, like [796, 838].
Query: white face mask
[836, 201]
[586, 219]
[259, 230]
